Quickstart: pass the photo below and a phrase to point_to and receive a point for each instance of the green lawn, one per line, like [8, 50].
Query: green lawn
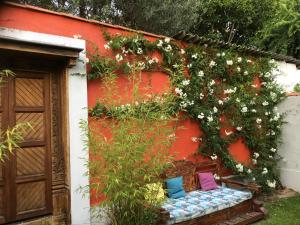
[283, 212]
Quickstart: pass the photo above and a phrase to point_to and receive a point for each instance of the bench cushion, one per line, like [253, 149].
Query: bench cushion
[199, 203]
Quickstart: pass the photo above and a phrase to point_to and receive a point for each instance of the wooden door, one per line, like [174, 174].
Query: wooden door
[26, 177]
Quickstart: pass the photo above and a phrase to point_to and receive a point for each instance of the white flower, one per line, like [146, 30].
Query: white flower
[119, 57]
[272, 61]
[239, 128]
[253, 110]
[77, 36]
[265, 171]
[201, 95]
[216, 176]
[237, 100]
[273, 149]
[244, 109]
[139, 51]
[185, 82]
[256, 155]
[212, 63]
[210, 118]
[229, 91]
[182, 51]
[268, 74]
[254, 85]
[259, 126]
[271, 157]
[168, 48]
[212, 82]
[228, 133]
[215, 109]
[195, 56]
[214, 157]
[200, 73]
[220, 102]
[183, 104]
[201, 116]
[253, 179]
[167, 40]
[254, 161]
[160, 43]
[239, 59]
[194, 139]
[265, 103]
[240, 167]
[189, 65]
[223, 54]
[258, 120]
[246, 73]
[178, 91]
[172, 135]
[249, 61]
[229, 62]
[218, 54]
[106, 46]
[249, 171]
[271, 184]
[238, 69]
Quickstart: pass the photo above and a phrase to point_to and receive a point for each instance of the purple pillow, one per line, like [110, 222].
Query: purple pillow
[207, 181]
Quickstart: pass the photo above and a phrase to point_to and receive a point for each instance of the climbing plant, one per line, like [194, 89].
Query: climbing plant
[231, 95]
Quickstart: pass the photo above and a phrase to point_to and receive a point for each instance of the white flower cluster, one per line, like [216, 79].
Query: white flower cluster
[196, 139]
[239, 128]
[201, 116]
[119, 57]
[256, 155]
[271, 184]
[212, 64]
[239, 167]
[244, 109]
[230, 91]
[217, 177]
[185, 82]
[214, 157]
[265, 171]
[153, 60]
[229, 62]
[200, 73]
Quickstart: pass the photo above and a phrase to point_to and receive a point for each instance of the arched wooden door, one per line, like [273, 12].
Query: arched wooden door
[25, 178]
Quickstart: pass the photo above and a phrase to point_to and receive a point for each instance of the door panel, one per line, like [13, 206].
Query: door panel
[27, 185]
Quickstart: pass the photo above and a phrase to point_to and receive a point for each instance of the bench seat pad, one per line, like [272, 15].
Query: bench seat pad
[199, 203]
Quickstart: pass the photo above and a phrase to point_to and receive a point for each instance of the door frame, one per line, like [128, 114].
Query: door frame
[74, 109]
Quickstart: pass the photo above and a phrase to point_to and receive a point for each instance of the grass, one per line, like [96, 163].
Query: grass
[283, 212]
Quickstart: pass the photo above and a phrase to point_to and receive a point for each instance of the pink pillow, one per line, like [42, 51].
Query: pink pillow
[207, 181]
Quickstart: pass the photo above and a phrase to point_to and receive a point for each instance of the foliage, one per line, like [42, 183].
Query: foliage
[11, 137]
[129, 150]
[233, 20]
[282, 33]
[218, 86]
[283, 211]
[297, 87]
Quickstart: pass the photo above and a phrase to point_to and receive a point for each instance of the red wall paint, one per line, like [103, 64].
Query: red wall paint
[38, 21]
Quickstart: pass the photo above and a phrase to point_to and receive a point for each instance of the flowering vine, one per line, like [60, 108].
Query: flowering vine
[232, 96]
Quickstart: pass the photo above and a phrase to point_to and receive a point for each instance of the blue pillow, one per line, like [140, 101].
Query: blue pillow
[175, 187]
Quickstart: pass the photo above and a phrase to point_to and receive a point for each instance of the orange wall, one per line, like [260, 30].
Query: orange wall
[32, 19]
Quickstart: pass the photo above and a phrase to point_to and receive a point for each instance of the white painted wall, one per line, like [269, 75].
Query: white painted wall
[290, 147]
[288, 76]
[80, 206]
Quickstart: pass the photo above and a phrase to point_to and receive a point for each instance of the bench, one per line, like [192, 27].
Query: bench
[233, 204]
